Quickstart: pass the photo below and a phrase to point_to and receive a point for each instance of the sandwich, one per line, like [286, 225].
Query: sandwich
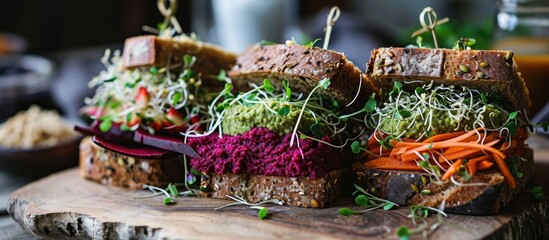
[449, 131]
[157, 88]
[279, 128]
[284, 127]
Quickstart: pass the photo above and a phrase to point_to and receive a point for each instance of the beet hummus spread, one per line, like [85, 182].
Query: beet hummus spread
[263, 152]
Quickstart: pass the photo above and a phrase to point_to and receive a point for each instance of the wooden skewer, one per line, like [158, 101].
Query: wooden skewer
[433, 22]
[330, 21]
[169, 13]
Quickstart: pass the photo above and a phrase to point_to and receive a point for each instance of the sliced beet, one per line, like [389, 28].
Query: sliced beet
[139, 138]
[133, 150]
[164, 142]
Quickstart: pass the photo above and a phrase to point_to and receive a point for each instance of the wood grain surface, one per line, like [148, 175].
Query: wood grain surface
[64, 205]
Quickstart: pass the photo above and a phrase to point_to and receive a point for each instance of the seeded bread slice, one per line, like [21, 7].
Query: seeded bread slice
[303, 67]
[293, 191]
[491, 71]
[110, 168]
[487, 199]
[107, 167]
[150, 50]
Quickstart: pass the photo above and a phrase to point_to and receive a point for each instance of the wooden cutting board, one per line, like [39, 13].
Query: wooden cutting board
[64, 205]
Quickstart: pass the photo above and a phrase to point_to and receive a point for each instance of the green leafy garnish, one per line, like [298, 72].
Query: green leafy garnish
[262, 213]
[312, 43]
[284, 111]
[537, 193]
[124, 127]
[153, 70]
[367, 200]
[173, 190]
[397, 86]
[371, 104]
[110, 79]
[513, 115]
[315, 129]
[345, 212]
[356, 147]
[287, 90]
[105, 125]
[176, 98]
[463, 172]
[228, 88]
[420, 90]
[388, 206]
[324, 83]
[188, 61]
[403, 233]
[268, 86]
[419, 41]
[222, 75]
[464, 43]
[512, 126]
[400, 115]
[168, 201]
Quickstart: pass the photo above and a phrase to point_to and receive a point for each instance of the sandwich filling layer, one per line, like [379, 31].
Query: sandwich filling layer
[446, 131]
[261, 151]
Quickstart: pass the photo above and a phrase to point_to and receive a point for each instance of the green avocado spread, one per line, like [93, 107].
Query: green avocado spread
[239, 119]
[413, 126]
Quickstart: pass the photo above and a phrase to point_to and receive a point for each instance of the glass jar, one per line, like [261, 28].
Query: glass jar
[523, 27]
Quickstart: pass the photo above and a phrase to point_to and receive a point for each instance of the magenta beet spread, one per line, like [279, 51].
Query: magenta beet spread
[262, 152]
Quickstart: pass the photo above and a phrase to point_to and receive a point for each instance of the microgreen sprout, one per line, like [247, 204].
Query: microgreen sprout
[421, 213]
[262, 213]
[324, 83]
[168, 199]
[312, 43]
[368, 201]
[537, 193]
[464, 43]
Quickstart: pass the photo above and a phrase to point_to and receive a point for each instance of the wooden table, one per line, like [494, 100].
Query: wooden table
[64, 205]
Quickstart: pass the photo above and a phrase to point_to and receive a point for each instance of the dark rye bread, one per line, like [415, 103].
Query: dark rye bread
[150, 50]
[293, 191]
[492, 71]
[396, 186]
[107, 167]
[303, 67]
[110, 168]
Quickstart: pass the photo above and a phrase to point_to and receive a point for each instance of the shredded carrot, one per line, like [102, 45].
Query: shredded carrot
[443, 136]
[391, 164]
[473, 162]
[373, 141]
[452, 169]
[505, 171]
[466, 152]
[398, 151]
[478, 146]
[483, 165]
[411, 156]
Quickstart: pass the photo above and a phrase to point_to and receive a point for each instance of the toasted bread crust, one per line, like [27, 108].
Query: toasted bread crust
[107, 167]
[303, 67]
[110, 168]
[492, 71]
[150, 50]
[294, 191]
[471, 200]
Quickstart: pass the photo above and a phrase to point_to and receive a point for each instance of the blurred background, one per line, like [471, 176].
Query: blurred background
[74, 34]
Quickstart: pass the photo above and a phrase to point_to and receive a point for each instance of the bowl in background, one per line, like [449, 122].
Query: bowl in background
[40, 161]
[24, 80]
